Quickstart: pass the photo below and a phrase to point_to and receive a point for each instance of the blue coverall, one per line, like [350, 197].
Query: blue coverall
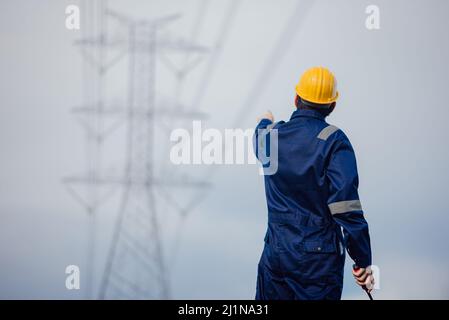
[314, 211]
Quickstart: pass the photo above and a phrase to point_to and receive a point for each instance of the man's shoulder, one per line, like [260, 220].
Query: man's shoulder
[331, 133]
[322, 130]
[278, 124]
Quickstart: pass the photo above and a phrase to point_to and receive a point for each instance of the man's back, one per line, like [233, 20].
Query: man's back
[300, 184]
[310, 197]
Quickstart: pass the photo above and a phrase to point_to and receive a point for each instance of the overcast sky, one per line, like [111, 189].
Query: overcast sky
[393, 107]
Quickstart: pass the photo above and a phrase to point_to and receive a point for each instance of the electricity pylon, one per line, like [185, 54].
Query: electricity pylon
[135, 266]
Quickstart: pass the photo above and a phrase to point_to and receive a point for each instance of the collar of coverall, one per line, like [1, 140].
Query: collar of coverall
[307, 113]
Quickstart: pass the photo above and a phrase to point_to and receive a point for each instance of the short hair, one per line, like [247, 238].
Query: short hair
[315, 105]
[324, 109]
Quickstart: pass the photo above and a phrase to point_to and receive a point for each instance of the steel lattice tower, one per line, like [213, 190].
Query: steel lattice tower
[135, 265]
[138, 200]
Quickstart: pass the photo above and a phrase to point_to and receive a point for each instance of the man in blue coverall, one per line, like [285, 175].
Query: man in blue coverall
[314, 211]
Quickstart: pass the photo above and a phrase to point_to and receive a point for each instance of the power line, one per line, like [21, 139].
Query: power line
[280, 48]
[282, 44]
[216, 53]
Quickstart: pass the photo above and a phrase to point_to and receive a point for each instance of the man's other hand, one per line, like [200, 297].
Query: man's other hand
[364, 277]
[267, 115]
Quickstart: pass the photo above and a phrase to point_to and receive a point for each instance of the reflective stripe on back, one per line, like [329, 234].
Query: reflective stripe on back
[326, 132]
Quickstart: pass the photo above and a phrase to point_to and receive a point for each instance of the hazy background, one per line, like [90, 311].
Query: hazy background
[393, 106]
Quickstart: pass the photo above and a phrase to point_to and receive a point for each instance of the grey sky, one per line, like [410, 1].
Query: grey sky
[392, 105]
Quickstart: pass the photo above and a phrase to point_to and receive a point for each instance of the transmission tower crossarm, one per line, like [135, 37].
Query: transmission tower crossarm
[127, 20]
[185, 182]
[141, 111]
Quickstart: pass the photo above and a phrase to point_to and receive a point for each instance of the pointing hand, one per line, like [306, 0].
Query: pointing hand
[267, 115]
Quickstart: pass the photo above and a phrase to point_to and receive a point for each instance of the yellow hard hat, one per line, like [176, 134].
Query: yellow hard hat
[318, 85]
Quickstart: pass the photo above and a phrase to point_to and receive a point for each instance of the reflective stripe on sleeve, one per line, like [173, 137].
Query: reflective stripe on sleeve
[345, 206]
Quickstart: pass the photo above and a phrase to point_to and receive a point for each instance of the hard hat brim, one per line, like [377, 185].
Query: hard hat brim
[326, 101]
